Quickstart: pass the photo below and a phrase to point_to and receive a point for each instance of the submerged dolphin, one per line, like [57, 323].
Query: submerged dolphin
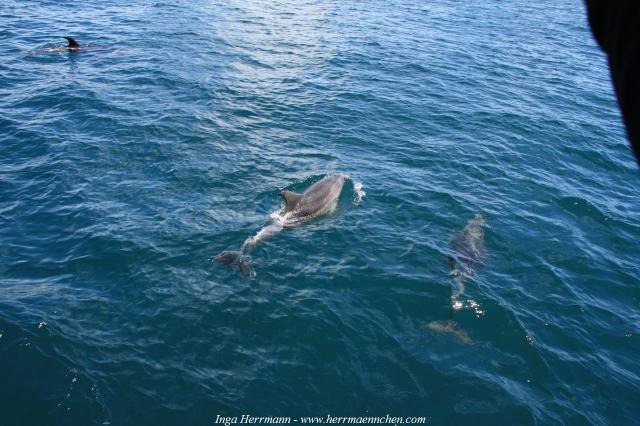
[450, 327]
[319, 198]
[469, 249]
[468, 257]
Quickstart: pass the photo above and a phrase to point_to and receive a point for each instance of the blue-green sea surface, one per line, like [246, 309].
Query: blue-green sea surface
[126, 166]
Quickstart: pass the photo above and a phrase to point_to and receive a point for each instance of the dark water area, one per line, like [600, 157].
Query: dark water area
[126, 166]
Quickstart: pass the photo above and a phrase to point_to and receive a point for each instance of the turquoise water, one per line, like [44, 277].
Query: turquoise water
[126, 166]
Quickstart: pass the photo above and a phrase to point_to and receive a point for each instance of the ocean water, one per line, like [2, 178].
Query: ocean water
[126, 166]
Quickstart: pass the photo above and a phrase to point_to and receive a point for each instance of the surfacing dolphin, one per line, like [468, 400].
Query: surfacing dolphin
[467, 258]
[73, 46]
[319, 198]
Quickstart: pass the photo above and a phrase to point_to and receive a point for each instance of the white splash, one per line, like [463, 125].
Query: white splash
[476, 307]
[358, 188]
[457, 304]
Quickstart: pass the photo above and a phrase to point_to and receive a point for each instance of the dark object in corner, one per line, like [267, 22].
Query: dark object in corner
[73, 44]
[616, 28]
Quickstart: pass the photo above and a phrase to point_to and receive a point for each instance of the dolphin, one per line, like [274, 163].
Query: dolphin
[468, 246]
[468, 258]
[318, 199]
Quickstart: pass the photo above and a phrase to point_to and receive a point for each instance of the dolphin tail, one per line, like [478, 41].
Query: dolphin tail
[245, 267]
[236, 258]
[228, 258]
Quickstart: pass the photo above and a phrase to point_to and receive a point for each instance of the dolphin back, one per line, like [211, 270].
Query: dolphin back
[319, 198]
[469, 248]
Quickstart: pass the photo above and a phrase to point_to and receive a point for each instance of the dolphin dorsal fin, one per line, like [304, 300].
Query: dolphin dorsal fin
[72, 42]
[290, 199]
